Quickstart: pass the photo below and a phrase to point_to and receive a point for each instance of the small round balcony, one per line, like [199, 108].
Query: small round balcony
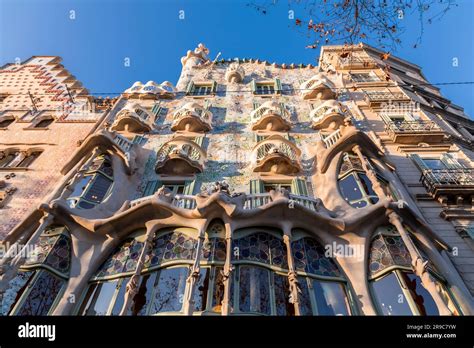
[318, 87]
[234, 73]
[133, 119]
[192, 118]
[329, 114]
[270, 116]
[180, 156]
[276, 155]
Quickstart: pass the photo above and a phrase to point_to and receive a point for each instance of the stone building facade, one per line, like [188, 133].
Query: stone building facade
[259, 188]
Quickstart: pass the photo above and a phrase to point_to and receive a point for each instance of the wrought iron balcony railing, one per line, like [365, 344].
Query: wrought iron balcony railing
[448, 180]
[256, 200]
[411, 126]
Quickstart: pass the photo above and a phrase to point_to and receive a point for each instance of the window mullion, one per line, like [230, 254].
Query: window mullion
[407, 293]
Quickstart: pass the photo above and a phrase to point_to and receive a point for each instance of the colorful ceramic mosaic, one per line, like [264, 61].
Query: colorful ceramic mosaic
[261, 247]
[309, 257]
[387, 251]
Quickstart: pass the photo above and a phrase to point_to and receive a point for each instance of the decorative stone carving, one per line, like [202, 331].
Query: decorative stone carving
[200, 53]
[235, 73]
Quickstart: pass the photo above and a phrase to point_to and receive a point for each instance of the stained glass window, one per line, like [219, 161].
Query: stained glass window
[218, 290]
[304, 297]
[170, 247]
[201, 289]
[214, 249]
[17, 286]
[309, 257]
[169, 290]
[282, 295]
[387, 251]
[260, 247]
[122, 261]
[254, 290]
[42, 294]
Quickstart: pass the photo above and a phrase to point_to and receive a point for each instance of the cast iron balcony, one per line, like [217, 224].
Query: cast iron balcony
[180, 156]
[317, 87]
[132, 118]
[192, 117]
[354, 62]
[276, 155]
[327, 113]
[270, 116]
[444, 182]
[414, 132]
[377, 98]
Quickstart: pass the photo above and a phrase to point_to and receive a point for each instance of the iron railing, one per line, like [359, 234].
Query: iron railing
[434, 179]
[411, 127]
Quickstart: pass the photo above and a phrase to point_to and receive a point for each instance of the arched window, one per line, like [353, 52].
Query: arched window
[260, 280]
[323, 286]
[95, 186]
[395, 288]
[354, 185]
[162, 285]
[40, 282]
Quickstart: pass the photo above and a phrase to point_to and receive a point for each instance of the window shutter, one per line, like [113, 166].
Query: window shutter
[151, 187]
[189, 88]
[138, 139]
[450, 162]
[299, 187]
[277, 86]
[282, 109]
[214, 87]
[199, 140]
[256, 105]
[156, 109]
[189, 191]
[259, 138]
[419, 162]
[189, 187]
[256, 186]
[207, 104]
[253, 86]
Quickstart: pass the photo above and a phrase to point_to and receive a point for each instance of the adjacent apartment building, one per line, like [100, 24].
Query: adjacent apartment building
[250, 187]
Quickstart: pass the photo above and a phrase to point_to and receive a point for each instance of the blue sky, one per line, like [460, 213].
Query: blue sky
[104, 32]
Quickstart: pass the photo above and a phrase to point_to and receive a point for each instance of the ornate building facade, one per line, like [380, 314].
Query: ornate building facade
[256, 188]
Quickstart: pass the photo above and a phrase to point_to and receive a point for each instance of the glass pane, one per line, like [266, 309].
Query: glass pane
[98, 189]
[390, 297]
[201, 289]
[101, 298]
[119, 300]
[42, 294]
[169, 290]
[331, 298]
[425, 303]
[366, 184]
[80, 186]
[254, 290]
[434, 163]
[304, 298]
[349, 189]
[16, 287]
[142, 298]
[282, 296]
[218, 295]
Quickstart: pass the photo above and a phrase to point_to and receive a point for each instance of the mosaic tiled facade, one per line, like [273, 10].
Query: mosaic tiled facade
[250, 187]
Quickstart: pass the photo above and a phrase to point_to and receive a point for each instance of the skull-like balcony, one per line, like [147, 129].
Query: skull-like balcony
[150, 90]
[180, 156]
[192, 118]
[276, 155]
[134, 119]
[329, 114]
[318, 87]
[270, 116]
